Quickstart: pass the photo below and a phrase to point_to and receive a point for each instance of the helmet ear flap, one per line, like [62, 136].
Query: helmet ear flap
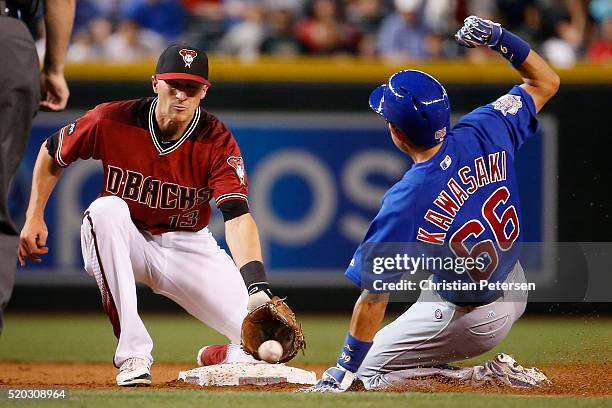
[399, 133]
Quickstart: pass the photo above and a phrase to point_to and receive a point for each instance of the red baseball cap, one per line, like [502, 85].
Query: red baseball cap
[183, 62]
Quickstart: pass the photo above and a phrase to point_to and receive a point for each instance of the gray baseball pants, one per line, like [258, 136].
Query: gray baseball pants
[19, 98]
[434, 332]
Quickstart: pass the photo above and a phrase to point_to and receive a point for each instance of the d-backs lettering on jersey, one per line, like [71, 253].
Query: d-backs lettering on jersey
[166, 186]
[464, 200]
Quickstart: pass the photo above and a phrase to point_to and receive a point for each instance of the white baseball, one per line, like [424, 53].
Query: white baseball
[270, 351]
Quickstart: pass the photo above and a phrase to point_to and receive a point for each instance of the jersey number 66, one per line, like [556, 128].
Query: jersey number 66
[505, 230]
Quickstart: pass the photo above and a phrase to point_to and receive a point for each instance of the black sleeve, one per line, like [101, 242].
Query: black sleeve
[233, 208]
[52, 144]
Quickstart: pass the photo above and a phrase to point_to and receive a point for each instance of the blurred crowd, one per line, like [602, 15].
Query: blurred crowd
[564, 31]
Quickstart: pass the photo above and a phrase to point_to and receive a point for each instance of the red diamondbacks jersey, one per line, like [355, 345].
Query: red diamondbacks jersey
[167, 187]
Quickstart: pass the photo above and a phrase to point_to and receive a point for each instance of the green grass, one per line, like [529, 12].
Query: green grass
[183, 398]
[89, 338]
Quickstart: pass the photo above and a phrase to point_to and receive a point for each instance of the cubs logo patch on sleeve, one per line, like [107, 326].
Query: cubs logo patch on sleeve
[508, 104]
[238, 165]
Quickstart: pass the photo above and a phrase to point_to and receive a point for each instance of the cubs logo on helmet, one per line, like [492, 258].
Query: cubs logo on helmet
[440, 134]
[188, 56]
[238, 165]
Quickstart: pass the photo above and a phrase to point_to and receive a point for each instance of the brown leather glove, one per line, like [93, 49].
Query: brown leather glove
[273, 320]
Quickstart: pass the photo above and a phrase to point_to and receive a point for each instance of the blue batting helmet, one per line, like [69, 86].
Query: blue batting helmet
[417, 104]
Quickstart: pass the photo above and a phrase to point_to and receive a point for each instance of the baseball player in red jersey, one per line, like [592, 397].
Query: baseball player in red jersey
[164, 158]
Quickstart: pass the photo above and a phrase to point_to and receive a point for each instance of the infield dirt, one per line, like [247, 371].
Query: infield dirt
[574, 380]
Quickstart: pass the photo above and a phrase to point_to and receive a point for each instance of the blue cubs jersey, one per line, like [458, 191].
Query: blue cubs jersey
[463, 201]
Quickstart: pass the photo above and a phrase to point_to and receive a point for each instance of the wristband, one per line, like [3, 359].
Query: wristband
[259, 287]
[512, 47]
[353, 353]
[254, 277]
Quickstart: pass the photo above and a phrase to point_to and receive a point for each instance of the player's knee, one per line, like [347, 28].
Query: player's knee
[480, 345]
[108, 210]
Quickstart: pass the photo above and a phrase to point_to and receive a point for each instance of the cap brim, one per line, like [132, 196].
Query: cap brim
[182, 75]
[376, 99]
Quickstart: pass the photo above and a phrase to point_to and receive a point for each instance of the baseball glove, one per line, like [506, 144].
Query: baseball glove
[273, 320]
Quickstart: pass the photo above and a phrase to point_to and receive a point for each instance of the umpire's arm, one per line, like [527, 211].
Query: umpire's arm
[59, 17]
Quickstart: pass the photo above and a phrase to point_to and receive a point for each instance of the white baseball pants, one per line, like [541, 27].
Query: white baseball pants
[187, 267]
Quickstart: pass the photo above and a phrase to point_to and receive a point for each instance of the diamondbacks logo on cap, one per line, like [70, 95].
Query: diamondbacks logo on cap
[238, 165]
[188, 56]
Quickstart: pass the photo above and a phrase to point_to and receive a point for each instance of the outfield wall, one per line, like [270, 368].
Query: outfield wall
[319, 160]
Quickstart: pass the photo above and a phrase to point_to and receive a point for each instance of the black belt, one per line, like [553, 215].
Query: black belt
[498, 295]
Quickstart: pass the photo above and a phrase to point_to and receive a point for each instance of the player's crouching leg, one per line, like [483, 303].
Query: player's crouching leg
[108, 236]
[109, 210]
[100, 221]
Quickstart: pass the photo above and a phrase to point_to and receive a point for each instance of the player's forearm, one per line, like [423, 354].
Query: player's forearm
[59, 17]
[45, 176]
[539, 79]
[368, 314]
[243, 239]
